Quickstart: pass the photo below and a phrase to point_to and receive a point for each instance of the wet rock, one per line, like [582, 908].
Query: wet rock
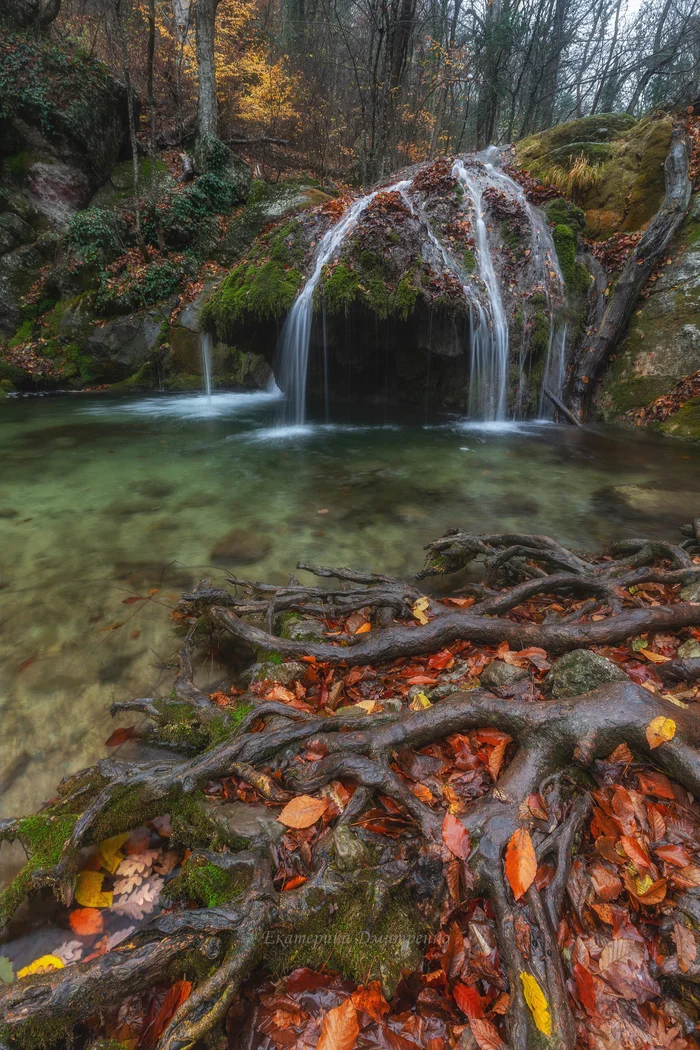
[301, 628]
[498, 674]
[632, 503]
[13, 232]
[240, 547]
[273, 672]
[691, 592]
[258, 824]
[689, 650]
[579, 672]
[349, 851]
[120, 347]
[58, 190]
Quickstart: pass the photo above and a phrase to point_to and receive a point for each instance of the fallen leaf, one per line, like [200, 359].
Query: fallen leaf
[537, 1001]
[120, 736]
[340, 1028]
[486, 1034]
[660, 730]
[88, 890]
[303, 811]
[132, 600]
[371, 1000]
[520, 862]
[455, 836]
[685, 946]
[468, 1000]
[86, 922]
[364, 628]
[655, 658]
[110, 854]
[42, 965]
[419, 609]
[420, 702]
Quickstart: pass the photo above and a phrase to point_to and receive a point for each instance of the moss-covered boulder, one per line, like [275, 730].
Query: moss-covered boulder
[662, 344]
[623, 185]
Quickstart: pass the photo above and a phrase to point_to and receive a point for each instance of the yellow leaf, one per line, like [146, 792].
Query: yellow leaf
[660, 730]
[419, 608]
[537, 1001]
[419, 702]
[88, 890]
[655, 658]
[109, 851]
[42, 965]
[674, 700]
[366, 705]
[364, 628]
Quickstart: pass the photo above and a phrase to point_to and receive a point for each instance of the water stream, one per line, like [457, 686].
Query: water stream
[293, 346]
[205, 344]
[104, 500]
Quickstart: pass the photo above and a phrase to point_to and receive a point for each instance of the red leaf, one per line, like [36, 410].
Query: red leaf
[468, 1000]
[439, 661]
[154, 1028]
[133, 599]
[636, 853]
[455, 836]
[120, 736]
[585, 986]
[677, 855]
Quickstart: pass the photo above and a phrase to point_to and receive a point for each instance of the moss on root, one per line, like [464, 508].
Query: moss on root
[39, 1035]
[354, 944]
[207, 884]
[192, 827]
[44, 837]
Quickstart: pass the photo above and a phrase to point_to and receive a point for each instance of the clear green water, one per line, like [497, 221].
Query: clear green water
[102, 500]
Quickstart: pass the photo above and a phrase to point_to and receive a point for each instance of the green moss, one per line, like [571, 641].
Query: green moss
[144, 379]
[23, 333]
[223, 726]
[339, 287]
[539, 338]
[575, 274]
[262, 291]
[563, 212]
[403, 302]
[634, 393]
[38, 1035]
[192, 827]
[685, 422]
[44, 837]
[354, 944]
[206, 884]
[594, 153]
[469, 261]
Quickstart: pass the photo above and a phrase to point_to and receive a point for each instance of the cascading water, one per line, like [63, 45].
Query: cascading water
[490, 345]
[205, 346]
[544, 257]
[293, 346]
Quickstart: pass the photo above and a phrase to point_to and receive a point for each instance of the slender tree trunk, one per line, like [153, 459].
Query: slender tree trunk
[207, 105]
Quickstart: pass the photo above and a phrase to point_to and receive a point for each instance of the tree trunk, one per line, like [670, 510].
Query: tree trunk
[207, 105]
[641, 262]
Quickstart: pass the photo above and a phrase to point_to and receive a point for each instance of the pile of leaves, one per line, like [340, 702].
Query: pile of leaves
[613, 252]
[667, 404]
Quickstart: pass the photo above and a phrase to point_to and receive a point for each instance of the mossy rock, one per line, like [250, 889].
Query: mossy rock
[684, 423]
[119, 187]
[575, 274]
[561, 211]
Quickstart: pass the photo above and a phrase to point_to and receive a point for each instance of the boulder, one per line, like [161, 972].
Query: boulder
[273, 672]
[258, 824]
[57, 190]
[498, 674]
[579, 672]
[691, 592]
[120, 347]
[240, 547]
[13, 232]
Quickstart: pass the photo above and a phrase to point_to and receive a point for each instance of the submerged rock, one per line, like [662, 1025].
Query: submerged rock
[240, 547]
[579, 672]
[273, 672]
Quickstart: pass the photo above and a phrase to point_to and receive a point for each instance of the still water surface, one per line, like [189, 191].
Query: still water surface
[102, 500]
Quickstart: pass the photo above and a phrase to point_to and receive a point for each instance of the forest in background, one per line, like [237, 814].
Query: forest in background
[354, 89]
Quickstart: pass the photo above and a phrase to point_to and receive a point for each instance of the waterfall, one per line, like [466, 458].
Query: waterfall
[545, 258]
[205, 345]
[489, 370]
[293, 346]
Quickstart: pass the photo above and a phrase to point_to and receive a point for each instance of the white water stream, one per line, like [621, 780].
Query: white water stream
[293, 346]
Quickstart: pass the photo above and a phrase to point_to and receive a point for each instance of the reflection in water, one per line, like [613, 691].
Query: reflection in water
[103, 501]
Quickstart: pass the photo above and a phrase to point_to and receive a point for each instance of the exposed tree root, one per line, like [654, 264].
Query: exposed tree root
[301, 752]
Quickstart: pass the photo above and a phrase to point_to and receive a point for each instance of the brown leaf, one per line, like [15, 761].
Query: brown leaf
[303, 811]
[132, 600]
[371, 1000]
[455, 836]
[468, 1000]
[486, 1034]
[340, 1028]
[520, 862]
[452, 958]
[120, 736]
[685, 946]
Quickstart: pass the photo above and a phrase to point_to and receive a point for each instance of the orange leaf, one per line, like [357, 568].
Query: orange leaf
[296, 880]
[468, 1000]
[371, 1000]
[340, 1028]
[521, 863]
[120, 736]
[156, 1025]
[303, 811]
[86, 922]
[364, 628]
[455, 836]
[132, 601]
